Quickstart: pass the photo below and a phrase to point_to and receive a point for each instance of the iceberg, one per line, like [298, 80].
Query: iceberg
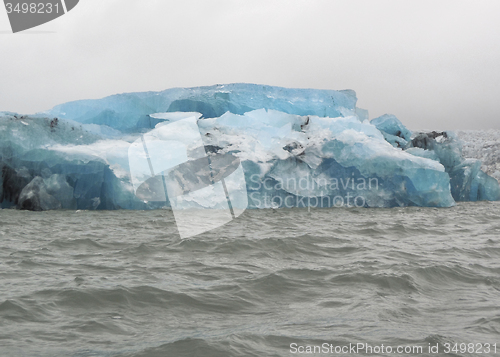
[483, 145]
[393, 130]
[229, 147]
[130, 111]
[468, 182]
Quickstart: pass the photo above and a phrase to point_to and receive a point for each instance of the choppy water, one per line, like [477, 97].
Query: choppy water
[122, 283]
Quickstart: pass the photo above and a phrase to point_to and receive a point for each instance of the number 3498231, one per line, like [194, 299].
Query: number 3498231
[32, 8]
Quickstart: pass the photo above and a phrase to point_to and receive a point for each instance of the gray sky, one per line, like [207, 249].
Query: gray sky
[434, 64]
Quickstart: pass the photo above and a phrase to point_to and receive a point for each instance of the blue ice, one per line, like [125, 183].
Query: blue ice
[297, 148]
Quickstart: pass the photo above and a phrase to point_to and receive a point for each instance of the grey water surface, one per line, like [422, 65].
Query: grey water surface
[123, 283]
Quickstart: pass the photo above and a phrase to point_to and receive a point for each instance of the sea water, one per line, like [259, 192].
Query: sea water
[420, 281]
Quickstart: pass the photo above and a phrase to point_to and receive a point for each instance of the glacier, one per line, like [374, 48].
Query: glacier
[483, 145]
[296, 148]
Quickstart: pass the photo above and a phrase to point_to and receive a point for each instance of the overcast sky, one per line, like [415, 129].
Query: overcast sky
[434, 64]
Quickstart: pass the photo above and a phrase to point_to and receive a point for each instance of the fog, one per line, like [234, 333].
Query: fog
[435, 65]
